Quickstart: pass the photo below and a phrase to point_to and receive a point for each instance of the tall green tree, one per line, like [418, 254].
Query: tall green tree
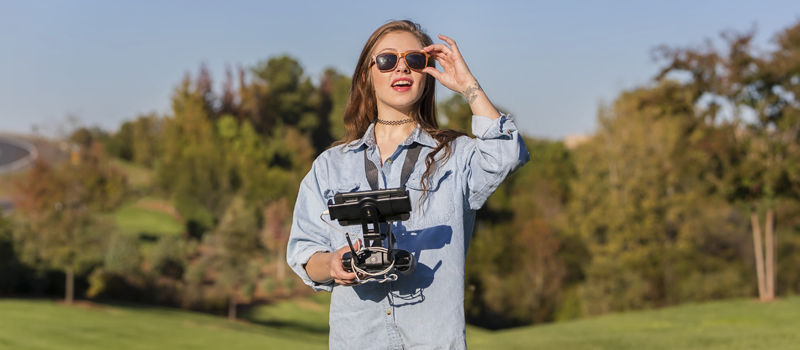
[234, 247]
[639, 195]
[759, 168]
[120, 144]
[456, 113]
[193, 167]
[12, 270]
[290, 96]
[515, 267]
[146, 138]
[337, 88]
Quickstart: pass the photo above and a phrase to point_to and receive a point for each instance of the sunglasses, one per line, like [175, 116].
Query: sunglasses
[415, 60]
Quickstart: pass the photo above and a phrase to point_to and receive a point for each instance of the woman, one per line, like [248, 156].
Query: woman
[391, 107]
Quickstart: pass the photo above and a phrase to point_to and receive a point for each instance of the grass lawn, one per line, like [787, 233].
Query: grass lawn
[736, 324]
[302, 324]
[148, 216]
[38, 324]
[136, 219]
[309, 315]
[138, 176]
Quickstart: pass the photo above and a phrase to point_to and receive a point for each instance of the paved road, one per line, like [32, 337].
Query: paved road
[10, 153]
[14, 154]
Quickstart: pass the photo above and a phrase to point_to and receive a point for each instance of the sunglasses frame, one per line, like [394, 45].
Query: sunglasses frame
[403, 57]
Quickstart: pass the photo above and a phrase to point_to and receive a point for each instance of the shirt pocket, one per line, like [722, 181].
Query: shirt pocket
[345, 188]
[438, 204]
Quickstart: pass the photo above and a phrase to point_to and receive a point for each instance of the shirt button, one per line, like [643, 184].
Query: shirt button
[389, 160]
[388, 312]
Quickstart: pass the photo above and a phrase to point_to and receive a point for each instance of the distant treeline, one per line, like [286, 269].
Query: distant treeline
[687, 191]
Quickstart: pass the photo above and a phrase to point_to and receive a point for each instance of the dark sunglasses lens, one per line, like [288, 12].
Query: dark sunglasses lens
[416, 60]
[386, 61]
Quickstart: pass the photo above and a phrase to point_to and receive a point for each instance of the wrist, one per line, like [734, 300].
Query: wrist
[471, 90]
[318, 267]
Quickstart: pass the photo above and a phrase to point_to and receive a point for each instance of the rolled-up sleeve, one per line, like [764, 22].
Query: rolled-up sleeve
[309, 234]
[497, 151]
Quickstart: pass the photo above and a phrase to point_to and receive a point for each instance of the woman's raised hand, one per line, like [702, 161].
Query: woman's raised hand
[456, 75]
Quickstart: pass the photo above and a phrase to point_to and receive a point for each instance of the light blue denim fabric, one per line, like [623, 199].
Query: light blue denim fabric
[424, 310]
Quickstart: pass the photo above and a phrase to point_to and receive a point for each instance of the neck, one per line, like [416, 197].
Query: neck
[393, 132]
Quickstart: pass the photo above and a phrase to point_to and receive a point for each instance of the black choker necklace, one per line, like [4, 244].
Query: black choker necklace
[395, 122]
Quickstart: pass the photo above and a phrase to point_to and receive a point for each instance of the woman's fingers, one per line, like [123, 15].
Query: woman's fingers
[447, 55]
[450, 42]
[446, 65]
[452, 48]
[442, 57]
[340, 276]
[345, 282]
[434, 48]
[338, 272]
[434, 72]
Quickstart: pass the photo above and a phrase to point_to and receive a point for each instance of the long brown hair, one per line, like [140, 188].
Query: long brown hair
[362, 108]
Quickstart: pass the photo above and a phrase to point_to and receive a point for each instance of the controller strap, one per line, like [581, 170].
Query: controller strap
[408, 166]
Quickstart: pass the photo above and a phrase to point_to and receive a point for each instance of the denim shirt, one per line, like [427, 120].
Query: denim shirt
[424, 310]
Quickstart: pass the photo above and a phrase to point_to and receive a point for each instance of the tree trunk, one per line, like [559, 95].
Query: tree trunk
[281, 262]
[759, 256]
[232, 308]
[70, 285]
[769, 259]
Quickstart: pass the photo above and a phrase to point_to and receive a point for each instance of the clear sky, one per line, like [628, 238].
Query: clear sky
[549, 63]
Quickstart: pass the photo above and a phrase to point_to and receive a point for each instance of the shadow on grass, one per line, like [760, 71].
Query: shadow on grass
[279, 325]
[294, 326]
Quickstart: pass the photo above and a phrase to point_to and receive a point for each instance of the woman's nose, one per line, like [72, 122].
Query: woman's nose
[402, 66]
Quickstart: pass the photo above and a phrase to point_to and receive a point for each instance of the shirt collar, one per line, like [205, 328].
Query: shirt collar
[418, 136]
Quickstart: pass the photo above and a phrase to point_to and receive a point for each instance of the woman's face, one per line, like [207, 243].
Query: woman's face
[399, 88]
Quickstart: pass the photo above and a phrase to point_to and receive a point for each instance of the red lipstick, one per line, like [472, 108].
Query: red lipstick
[402, 84]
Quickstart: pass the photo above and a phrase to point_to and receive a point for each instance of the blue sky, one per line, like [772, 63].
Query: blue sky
[549, 63]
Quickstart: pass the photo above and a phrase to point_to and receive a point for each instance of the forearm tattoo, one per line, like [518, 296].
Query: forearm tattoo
[471, 92]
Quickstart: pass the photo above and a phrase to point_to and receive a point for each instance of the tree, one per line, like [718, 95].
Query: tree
[12, 270]
[337, 88]
[515, 269]
[81, 137]
[235, 245]
[58, 208]
[457, 112]
[641, 205]
[260, 153]
[193, 167]
[146, 137]
[275, 232]
[760, 165]
[286, 97]
[120, 144]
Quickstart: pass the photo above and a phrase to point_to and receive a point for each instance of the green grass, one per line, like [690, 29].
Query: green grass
[48, 325]
[133, 219]
[309, 315]
[302, 324]
[737, 324]
[138, 176]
